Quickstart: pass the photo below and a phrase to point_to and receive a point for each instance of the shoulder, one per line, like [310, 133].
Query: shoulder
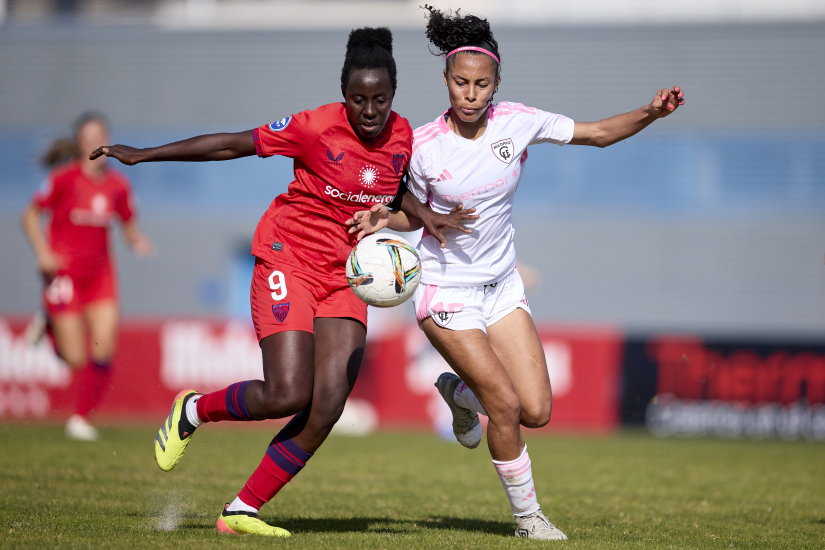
[400, 126]
[65, 172]
[516, 112]
[425, 137]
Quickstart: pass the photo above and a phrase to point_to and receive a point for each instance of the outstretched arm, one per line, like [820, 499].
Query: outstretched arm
[137, 241]
[226, 146]
[616, 128]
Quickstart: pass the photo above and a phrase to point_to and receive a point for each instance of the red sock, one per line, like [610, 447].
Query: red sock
[94, 381]
[283, 461]
[226, 404]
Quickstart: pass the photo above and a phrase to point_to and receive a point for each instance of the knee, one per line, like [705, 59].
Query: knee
[75, 360]
[279, 401]
[505, 409]
[536, 415]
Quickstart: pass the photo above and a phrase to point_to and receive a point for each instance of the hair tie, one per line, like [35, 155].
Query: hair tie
[474, 49]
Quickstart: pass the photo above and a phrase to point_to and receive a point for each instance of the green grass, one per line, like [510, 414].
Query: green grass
[411, 491]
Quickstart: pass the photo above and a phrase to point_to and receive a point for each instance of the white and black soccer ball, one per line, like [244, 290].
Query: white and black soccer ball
[383, 270]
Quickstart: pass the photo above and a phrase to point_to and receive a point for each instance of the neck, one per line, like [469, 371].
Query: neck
[468, 130]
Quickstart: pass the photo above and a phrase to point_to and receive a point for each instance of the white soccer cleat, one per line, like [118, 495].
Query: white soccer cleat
[466, 427]
[79, 429]
[537, 526]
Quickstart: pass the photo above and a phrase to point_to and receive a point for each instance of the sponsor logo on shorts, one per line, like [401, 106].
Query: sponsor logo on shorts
[279, 125]
[334, 159]
[359, 197]
[277, 247]
[503, 150]
[280, 311]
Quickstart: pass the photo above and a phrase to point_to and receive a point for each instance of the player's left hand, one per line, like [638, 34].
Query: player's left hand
[367, 222]
[666, 101]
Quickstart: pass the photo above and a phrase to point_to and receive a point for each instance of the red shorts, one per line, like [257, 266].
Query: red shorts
[71, 290]
[285, 297]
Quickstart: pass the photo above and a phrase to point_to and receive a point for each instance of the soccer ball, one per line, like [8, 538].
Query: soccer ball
[383, 270]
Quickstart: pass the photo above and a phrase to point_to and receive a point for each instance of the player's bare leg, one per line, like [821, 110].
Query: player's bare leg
[517, 345]
[339, 349]
[70, 339]
[103, 318]
[471, 354]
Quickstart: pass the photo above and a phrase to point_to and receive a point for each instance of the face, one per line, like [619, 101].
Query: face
[368, 95]
[472, 81]
[90, 136]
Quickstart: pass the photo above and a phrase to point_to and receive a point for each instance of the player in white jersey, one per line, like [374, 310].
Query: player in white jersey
[471, 302]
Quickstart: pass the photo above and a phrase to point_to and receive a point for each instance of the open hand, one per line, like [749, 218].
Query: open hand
[454, 220]
[367, 222]
[125, 154]
[666, 101]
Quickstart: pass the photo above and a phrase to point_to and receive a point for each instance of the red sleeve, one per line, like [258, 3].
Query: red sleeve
[46, 196]
[124, 206]
[290, 136]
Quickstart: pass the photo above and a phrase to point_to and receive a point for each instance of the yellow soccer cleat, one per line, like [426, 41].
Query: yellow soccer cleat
[174, 435]
[247, 523]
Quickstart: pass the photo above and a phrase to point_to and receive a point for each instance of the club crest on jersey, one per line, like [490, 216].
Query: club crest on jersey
[280, 311]
[398, 163]
[503, 150]
[333, 159]
[368, 175]
[279, 125]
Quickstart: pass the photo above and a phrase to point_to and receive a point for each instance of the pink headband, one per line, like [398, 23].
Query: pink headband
[473, 49]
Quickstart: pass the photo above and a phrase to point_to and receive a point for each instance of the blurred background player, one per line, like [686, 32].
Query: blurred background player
[310, 325]
[80, 295]
[471, 302]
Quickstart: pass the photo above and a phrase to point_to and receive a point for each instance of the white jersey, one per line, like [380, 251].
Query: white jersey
[446, 170]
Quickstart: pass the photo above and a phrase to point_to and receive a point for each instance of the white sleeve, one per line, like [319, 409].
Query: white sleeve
[417, 184]
[552, 128]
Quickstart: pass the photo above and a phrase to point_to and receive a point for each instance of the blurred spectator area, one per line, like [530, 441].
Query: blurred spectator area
[711, 221]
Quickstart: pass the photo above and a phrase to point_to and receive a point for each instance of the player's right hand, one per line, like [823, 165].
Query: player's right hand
[435, 222]
[125, 154]
[48, 263]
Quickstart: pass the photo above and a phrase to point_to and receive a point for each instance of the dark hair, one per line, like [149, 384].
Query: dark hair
[369, 48]
[63, 150]
[447, 32]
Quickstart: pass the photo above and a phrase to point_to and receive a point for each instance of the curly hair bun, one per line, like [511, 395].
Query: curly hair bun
[370, 37]
[447, 32]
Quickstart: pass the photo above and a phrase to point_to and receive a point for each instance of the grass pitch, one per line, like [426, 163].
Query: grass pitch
[411, 491]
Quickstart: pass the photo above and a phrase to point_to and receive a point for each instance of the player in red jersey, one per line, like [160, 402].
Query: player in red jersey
[80, 292]
[311, 327]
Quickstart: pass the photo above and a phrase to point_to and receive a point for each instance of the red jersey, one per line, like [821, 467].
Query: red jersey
[82, 209]
[336, 175]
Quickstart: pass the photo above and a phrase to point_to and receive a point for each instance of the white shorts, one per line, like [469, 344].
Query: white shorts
[469, 307]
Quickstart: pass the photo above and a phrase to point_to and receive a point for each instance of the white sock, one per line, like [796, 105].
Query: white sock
[517, 479]
[464, 397]
[192, 411]
[240, 506]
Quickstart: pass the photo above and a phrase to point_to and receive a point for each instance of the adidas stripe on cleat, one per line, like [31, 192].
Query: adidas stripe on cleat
[247, 523]
[175, 433]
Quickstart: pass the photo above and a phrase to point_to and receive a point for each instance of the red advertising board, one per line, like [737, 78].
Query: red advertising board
[157, 358]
